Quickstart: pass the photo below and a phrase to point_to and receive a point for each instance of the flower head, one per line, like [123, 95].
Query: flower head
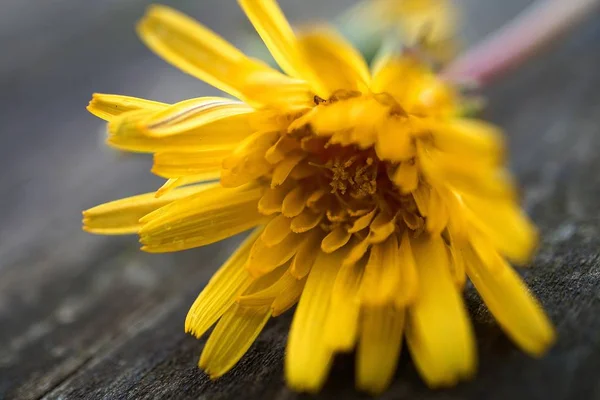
[372, 200]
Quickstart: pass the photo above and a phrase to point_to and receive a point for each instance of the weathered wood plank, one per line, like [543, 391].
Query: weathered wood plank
[89, 317]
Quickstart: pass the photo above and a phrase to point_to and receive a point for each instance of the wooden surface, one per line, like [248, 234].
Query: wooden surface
[85, 316]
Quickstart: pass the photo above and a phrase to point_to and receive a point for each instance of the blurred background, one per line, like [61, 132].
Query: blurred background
[84, 316]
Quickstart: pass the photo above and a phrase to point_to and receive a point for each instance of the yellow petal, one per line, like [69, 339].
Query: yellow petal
[276, 33]
[473, 177]
[288, 298]
[439, 334]
[278, 151]
[308, 357]
[200, 52]
[458, 262]
[125, 134]
[306, 221]
[505, 225]
[394, 141]
[189, 115]
[264, 259]
[234, 334]
[276, 230]
[409, 279]
[108, 106]
[437, 219]
[341, 328]
[356, 114]
[421, 196]
[221, 291]
[267, 295]
[382, 273]
[507, 297]
[272, 199]
[247, 161]
[407, 176]
[394, 69]
[122, 216]
[295, 201]
[307, 254]
[335, 239]
[362, 222]
[468, 138]
[382, 226]
[338, 64]
[379, 347]
[202, 220]
[173, 183]
[284, 168]
[316, 196]
[357, 252]
[177, 164]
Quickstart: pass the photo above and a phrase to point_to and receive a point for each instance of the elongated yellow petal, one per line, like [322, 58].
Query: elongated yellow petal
[468, 138]
[284, 168]
[295, 201]
[379, 347]
[382, 273]
[221, 291]
[407, 176]
[355, 114]
[247, 161]
[276, 230]
[392, 69]
[357, 252]
[362, 222]
[458, 261]
[409, 279]
[471, 178]
[234, 334]
[284, 145]
[200, 52]
[306, 221]
[438, 214]
[421, 196]
[275, 31]
[341, 328]
[507, 297]
[177, 164]
[125, 134]
[394, 140]
[505, 225]
[288, 298]
[308, 356]
[272, 199]
[267, 295]
[335, 239]
[189, 115]
[173, 183]
[202, 220]
[121, 217]
[192, 47]
[439, 331]
[382, 227]
[264, 259]
[307, 254]
[338, 64]
[108, 106]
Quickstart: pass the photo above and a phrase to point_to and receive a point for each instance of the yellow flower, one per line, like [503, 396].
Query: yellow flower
[371, 197]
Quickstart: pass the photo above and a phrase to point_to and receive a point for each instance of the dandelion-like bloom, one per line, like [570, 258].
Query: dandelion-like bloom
[371, 197]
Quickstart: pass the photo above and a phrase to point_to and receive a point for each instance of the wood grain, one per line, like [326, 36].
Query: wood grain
[84, 316]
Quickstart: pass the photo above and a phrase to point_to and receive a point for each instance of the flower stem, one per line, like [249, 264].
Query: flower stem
[520, 39]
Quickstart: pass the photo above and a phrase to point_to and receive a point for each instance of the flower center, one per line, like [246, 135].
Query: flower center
[354, 183]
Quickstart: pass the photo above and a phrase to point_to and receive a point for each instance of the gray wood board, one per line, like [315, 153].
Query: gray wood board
[84, 316]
